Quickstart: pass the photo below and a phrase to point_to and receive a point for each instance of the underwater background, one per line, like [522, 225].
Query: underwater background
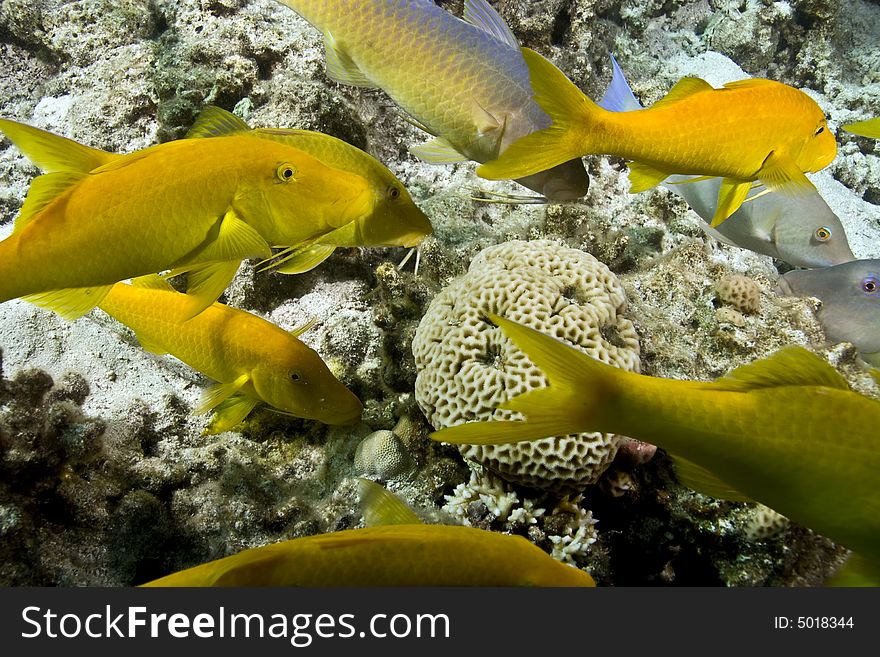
[105, 476]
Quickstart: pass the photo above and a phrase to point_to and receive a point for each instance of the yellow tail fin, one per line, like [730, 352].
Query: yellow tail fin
[572, 403]
[572, 113]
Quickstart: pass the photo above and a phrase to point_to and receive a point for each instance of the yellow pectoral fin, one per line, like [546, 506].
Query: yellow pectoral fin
[781, 174]
[205, 284]
[71, 303]
[437, 151]
[43, 190]
[229, 413]
[232, 239]
[643, 177]
[341, 67]
[731, 195]
[300, 260]
[381, 507]
[218, 393]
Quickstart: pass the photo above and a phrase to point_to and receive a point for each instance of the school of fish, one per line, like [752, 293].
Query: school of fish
[786, 431]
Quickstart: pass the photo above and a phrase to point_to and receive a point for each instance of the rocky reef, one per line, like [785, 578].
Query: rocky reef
[107, 479]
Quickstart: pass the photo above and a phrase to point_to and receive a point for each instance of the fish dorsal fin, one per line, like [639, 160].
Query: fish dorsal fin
[215, 121]
[51, 152]
[152, 282]
[790, 366]
[619, 96]
[482, 15]
[381, 507]
[703, 481]
[341, 67]
[684, 88]
[230, 412]
[748, 83]
[71, 303]
[437, 151]
[45, 189]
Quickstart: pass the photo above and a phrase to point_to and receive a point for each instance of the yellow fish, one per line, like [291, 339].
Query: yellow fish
[200, 204]
[786, 431]
[462, 80]
[747, 131]
[869, 128]
[252, 360]
[401, 552]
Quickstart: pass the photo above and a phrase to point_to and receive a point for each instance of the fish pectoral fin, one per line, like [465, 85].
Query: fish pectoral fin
[781, 174]
[482, 15]
[643, 177]
[869, 128]
[152, 282]
[341, 67]
[731, 196]
[229, 413]
[790, 366]
[51, 152]
[486, 123]
[704, 481]
[70, 303]
[299, 260]
[233, 239]
[217, 393]
[43, 190]
[214, 121]
[381, 507]
[205, 284]
[299, 330]
[684, 88]
[437, 151]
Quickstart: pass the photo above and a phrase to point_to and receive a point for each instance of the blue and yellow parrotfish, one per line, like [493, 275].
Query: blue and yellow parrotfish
[801, 230]
[747, 131]
[463, 81]
[253, 361]
[785, 431]
[198, 205]
[869, 128]
[850, 296]
[398, 552]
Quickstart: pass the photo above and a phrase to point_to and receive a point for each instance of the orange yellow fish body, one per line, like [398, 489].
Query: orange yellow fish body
[252, 360]
[388, 555]
[747, 131]
[203, 203]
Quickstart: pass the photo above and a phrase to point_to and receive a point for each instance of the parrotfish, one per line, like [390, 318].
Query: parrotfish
[750, 130]
[801, 230]
[198, 205]
[785, 431]
[398, 552]
[252, 360]
[463, 81]
[869, 128]
[850, 296]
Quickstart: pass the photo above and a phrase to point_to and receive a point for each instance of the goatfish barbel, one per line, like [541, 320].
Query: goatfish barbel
[750, 130]
[785, 431]
[395, 549]
[463, 81]
[850, 296]
[253, 361]
[801, 230]
[198, 205]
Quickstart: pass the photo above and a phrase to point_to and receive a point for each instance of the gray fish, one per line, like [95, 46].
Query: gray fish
[850, 296]
[802, 230]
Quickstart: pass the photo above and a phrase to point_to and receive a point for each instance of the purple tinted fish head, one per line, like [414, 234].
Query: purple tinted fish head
[850, 296]
[806, 231]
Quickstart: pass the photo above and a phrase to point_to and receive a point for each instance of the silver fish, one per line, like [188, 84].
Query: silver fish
[850, 296]
[801, 230]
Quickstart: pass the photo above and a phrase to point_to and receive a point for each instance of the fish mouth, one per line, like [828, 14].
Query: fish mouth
[783, 288]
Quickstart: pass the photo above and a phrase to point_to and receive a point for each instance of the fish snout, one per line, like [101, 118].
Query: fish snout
[783, 288]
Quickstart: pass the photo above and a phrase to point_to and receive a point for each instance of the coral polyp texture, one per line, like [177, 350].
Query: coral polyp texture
[466, 366]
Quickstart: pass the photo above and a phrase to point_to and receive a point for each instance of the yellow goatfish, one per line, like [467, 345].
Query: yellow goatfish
[398, 552]
[462, 80]
[869, 128]
[747, 131]
[785, 431]
[252, 360]
[197, 205]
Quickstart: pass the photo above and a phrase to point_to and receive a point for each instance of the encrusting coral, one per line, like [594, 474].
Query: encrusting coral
[466, 367]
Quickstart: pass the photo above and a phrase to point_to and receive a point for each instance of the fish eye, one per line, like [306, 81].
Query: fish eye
[819, 131]
[393, 193]
[295, 376]
[286, 172]
[823, 233]
[870, 284]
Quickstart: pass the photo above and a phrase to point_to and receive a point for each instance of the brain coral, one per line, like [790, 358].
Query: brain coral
[467, 366]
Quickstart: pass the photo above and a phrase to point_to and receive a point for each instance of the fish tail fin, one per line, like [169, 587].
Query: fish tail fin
[572, 114]
[575, 401]
[53, 153]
